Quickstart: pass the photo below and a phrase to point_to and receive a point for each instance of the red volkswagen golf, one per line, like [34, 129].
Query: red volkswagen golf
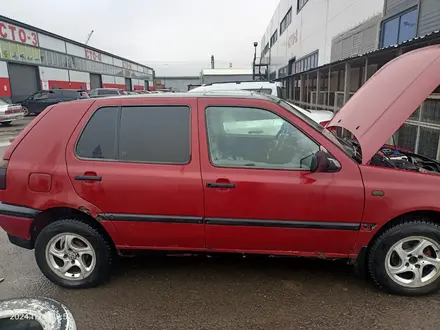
[226, 172]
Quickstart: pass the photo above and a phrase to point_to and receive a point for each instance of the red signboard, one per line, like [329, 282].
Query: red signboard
[92, 55]
[18, 34]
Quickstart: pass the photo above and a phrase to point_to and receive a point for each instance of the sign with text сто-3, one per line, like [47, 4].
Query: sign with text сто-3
[92, 55]
[18, 34]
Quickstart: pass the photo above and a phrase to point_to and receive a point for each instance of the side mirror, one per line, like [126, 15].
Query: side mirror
[320, 162]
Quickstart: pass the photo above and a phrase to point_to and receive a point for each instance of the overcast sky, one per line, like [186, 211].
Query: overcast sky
[173, 36]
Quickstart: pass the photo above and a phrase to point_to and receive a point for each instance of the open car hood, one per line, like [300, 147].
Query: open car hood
[389, 97]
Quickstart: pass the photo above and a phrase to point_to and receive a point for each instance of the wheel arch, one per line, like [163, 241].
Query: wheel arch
[361, 260]
[51, 215]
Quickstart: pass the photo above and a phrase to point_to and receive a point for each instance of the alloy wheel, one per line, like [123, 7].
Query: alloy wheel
[414, 261]
[70, 256]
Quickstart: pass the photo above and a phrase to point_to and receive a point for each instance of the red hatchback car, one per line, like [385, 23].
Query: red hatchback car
[226, 172]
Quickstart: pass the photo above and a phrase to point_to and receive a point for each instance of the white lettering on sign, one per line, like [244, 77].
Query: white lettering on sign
[126, 65]
[293, 39]
[18, 34]
[92, 55]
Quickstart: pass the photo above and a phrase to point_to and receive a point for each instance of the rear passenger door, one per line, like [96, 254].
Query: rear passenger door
[139, 164]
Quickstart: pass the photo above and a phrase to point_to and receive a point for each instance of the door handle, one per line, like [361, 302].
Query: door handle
[220, 185]
[88, 178]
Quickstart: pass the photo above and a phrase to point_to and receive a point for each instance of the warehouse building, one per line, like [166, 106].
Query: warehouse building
[32, 59]
[324, 51]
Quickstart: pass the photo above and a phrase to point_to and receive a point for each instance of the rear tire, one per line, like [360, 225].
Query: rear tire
[74, 243]
[405, 259]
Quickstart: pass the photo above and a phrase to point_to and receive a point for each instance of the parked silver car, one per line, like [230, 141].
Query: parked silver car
[10, 112]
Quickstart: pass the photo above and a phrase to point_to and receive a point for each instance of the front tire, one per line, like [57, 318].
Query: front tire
[405, 259]
[73, 254]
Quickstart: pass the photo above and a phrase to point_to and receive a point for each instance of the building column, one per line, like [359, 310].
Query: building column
[365, 77]
[318, 86]
[329, 83]
[347, 82]
[308, 89]
[301, 88]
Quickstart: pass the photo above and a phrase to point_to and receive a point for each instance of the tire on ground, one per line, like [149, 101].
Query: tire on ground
[103, 252]
[409, 227]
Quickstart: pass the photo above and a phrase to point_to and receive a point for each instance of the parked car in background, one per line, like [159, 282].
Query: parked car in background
[40, 100]
[104, 92]
[10, 112]
[260, 86]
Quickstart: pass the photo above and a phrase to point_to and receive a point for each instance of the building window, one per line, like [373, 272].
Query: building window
[307, 63]
[273, 75]
[265, 50]
[399, 28]
[283, 72]
[301, 4]
[274, 38]
[286, 21]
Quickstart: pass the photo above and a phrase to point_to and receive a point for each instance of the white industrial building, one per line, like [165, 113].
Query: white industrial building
[324, 50]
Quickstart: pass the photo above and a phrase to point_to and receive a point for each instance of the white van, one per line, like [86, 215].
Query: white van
[267, 87]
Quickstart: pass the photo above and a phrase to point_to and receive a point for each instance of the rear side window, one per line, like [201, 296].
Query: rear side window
[155, 134]
[98, 139]
[148, 134]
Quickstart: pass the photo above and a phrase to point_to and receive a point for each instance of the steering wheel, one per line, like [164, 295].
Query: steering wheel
[280, 141]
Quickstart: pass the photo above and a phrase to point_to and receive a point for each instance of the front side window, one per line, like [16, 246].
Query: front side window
[256, 138]
[155, 134]
[98, 139]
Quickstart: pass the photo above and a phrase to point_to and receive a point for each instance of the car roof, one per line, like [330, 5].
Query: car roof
[208, 94]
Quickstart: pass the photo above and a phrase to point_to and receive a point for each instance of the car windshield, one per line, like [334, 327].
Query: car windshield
[3, 102]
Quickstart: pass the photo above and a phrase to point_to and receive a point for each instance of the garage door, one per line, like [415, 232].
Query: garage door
[24, 81]
[95, 81]
[128, 84]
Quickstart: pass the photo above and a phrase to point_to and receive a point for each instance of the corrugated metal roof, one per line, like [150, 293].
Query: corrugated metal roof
[226, 72]
[409, 42]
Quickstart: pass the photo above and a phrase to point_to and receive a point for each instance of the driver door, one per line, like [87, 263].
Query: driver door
[260, 195]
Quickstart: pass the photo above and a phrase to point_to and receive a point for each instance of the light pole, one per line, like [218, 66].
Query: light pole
[255, 60]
